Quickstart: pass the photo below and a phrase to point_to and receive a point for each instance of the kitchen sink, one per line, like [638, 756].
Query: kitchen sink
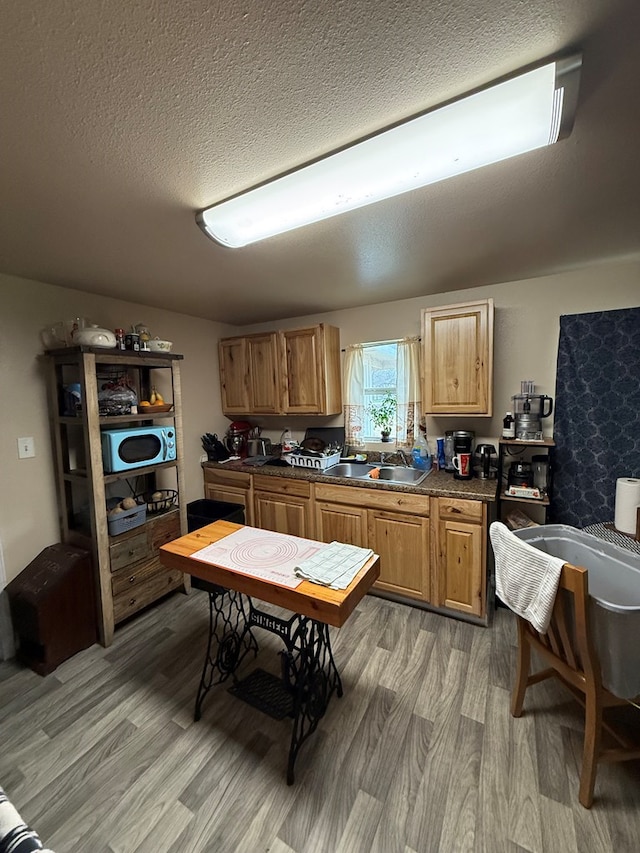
[400, 474]
[387, 473]
[357, 470]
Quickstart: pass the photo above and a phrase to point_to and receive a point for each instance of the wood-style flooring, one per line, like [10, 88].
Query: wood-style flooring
[421, 754]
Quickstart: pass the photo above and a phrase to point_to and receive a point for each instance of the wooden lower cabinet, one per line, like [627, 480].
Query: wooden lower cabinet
[283, 505]
[393, 524]
[459, 555]
[234, 487]
[432, 549]
[402, 541]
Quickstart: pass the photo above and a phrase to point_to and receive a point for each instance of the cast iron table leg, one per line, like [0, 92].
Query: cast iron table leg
[230, 628]
[311, 671]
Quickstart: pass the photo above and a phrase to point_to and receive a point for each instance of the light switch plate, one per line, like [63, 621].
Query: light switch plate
[26, 447]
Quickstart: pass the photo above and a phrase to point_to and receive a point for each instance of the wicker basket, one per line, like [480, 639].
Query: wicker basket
[167, 498]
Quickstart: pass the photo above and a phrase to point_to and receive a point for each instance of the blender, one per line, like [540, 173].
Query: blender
[529, 410]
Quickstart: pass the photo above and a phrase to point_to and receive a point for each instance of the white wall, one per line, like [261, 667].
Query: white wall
[28, 511]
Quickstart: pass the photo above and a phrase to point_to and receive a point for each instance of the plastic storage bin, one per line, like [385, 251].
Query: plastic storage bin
[127, 520]
[614, 587]
[206, 511]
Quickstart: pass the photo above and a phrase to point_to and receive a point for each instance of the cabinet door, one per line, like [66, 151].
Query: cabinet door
[457, 346]
[340, 523]
[402, 541]
[264, 381]
[283, 514]
[303, 355]
[459, 554]
[234, 376]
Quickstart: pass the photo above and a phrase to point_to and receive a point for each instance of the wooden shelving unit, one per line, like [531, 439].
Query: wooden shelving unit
[505, 447]
[128, 572]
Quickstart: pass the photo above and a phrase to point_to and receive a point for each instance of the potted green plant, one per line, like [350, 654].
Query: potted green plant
[383, 414]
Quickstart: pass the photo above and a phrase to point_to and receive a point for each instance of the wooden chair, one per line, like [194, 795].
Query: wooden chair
[567, 648]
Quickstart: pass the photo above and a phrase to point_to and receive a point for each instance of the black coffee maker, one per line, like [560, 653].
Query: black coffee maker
[463, 443]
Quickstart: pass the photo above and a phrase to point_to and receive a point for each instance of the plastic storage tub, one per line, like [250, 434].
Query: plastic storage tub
[206, 511]
[127, 519]
[614, 589]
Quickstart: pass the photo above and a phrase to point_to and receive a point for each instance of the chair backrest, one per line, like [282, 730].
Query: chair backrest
[568, 641]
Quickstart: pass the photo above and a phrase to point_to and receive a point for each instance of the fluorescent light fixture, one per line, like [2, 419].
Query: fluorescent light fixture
[528, 111]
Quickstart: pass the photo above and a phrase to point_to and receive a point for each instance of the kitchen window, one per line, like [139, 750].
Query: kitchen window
[373, 371]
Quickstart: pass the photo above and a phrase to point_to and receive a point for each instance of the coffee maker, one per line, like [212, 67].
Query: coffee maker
[463, 441]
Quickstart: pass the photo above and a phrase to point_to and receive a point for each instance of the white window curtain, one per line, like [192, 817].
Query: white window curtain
[408, 393]
[353, 387]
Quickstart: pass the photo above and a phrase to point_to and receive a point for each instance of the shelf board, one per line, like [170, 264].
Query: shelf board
[138, 472]
[540, 501]
[123, 419]
[518, 442]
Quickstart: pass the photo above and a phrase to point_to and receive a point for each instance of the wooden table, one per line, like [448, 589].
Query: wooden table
[309, 674]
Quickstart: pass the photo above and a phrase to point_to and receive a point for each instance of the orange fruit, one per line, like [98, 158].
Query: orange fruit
[144, 403]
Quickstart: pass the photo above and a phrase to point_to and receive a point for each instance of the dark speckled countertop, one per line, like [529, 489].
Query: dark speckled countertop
[437, 484]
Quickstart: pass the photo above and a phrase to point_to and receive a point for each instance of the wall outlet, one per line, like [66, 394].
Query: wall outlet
[26, 447]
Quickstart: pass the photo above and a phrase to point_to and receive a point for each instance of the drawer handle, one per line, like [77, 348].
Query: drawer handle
[131, 552]
[132, 601]
[132, 579]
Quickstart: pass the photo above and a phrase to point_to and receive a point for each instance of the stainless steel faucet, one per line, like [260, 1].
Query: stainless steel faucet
[399, 453]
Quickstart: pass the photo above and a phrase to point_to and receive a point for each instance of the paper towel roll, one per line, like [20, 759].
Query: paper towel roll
[627, 503]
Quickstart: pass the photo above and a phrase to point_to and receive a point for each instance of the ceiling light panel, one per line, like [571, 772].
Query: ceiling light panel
[510, 118]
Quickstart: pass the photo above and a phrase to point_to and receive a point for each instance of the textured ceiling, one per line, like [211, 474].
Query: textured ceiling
[120, 120]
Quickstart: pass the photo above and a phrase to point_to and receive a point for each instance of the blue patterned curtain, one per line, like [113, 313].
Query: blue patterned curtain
[597, 420]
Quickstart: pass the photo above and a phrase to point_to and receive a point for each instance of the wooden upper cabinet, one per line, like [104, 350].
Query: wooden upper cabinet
[457, 346]
[290, 372]
[264, 382]
[311, 376]
[234, 375]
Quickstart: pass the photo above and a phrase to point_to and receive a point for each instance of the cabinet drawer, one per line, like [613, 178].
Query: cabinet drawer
[460, 510]
[164, 529]
[282, 486]
[129, 551]
[141, 573]
[134, 596]
[220, 477]
[412, 504]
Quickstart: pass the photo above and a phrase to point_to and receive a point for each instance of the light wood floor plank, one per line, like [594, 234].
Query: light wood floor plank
[495, 783]
[474, 701]
[400, 802]
[361, 826]
[459, 823]
[525, 826]
[431, 801]
[162, 834]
